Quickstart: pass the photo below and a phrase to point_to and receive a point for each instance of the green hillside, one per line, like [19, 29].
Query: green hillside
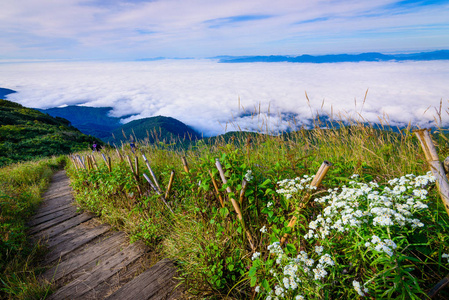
[26, 134]
[93, 121]
[153, 130]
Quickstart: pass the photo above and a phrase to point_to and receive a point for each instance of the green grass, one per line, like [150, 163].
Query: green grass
[27, 134]
[209, 242]
[21, 186]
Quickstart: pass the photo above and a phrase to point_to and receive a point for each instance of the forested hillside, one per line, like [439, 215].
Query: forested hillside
[155, 129]
[28, 134]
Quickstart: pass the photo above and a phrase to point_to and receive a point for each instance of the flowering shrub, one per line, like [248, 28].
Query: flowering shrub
[359, 241]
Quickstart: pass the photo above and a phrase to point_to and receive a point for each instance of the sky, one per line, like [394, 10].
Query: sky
[133, 29]
[85, 52]
[215, 98]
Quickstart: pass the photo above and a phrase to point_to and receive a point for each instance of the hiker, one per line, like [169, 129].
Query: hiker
[96, 147]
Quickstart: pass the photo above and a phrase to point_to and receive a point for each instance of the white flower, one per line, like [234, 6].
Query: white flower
[263, 229]
[249, 176]
[357, 288]
[445, 255]
[299, 297]
[279, 291]
[286, 282]
[318, 249]
[255, 255]
[269, 203]
[257, 289]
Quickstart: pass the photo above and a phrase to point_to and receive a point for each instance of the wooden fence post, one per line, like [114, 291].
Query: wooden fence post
[151, 172]
[235, 204]
[435, 165]
[214, 182]
[184, 163]
[170, 184]
[315, 183]
[157, 192]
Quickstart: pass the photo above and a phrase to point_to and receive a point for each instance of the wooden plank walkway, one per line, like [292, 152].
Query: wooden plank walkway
[88, 260]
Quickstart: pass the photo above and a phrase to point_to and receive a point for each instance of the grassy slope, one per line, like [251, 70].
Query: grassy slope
[205, 238]
[29, 134]
[21, 186]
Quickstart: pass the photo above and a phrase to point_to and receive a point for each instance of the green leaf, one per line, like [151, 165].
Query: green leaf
[252, 271]
[253, 281]
[224, 212]
[265, 183]
[265, 285]
[230, 267]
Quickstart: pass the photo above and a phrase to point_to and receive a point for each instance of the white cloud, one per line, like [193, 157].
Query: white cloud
[205, 94]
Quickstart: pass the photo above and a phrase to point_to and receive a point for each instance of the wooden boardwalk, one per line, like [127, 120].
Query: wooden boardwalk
[88, 260]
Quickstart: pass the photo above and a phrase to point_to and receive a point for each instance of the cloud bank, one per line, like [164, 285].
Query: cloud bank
[214, 98]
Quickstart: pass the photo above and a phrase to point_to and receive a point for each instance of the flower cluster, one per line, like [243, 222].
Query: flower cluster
[366, 212]
[290, 187]
[386, 245]
[358, 288]
[364, 204]
[248, 176]
[291, 270]
[445, 255]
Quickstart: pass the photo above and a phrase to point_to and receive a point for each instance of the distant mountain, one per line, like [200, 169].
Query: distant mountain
[335, 58]
[26, 133]
[153, 130]
[4, 92]
[94, 121]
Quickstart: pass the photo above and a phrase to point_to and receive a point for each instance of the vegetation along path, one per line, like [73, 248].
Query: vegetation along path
[88, 260]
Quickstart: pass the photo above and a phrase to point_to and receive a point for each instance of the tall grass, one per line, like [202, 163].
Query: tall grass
[208, 241]
[21, 186]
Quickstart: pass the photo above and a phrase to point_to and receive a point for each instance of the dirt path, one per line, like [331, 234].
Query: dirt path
[88, 260]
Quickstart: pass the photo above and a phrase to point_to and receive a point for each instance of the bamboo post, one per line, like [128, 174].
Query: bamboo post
[151, 172]
[242, 191]
[234, 203]
[170, 184]
[81, 162]
[87, 162]
[134, 174]
[130, 165]
[136, 163]
[109, 164]
[74, 162]
[315, 183]
[435, 165]
[157, 192]
[107, 161]
[440, 285]
[214, 182]
[95, 162]
[184, 163]
[118, 154]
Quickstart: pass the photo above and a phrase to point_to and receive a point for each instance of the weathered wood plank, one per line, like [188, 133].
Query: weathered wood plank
[53, 222]
[47, 217]
[61, 227]
[72, 233]
[58, 193]
[155, 283]
[62, 248]
[46, 212]
[90, 281]
[90, 256]
[52, 205]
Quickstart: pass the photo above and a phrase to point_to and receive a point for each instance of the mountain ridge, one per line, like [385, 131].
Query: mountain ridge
[338, 58]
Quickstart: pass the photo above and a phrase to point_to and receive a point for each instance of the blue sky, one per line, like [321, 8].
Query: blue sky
[131, 29]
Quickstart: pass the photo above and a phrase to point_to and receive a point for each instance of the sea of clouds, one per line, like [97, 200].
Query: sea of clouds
[215, 97]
